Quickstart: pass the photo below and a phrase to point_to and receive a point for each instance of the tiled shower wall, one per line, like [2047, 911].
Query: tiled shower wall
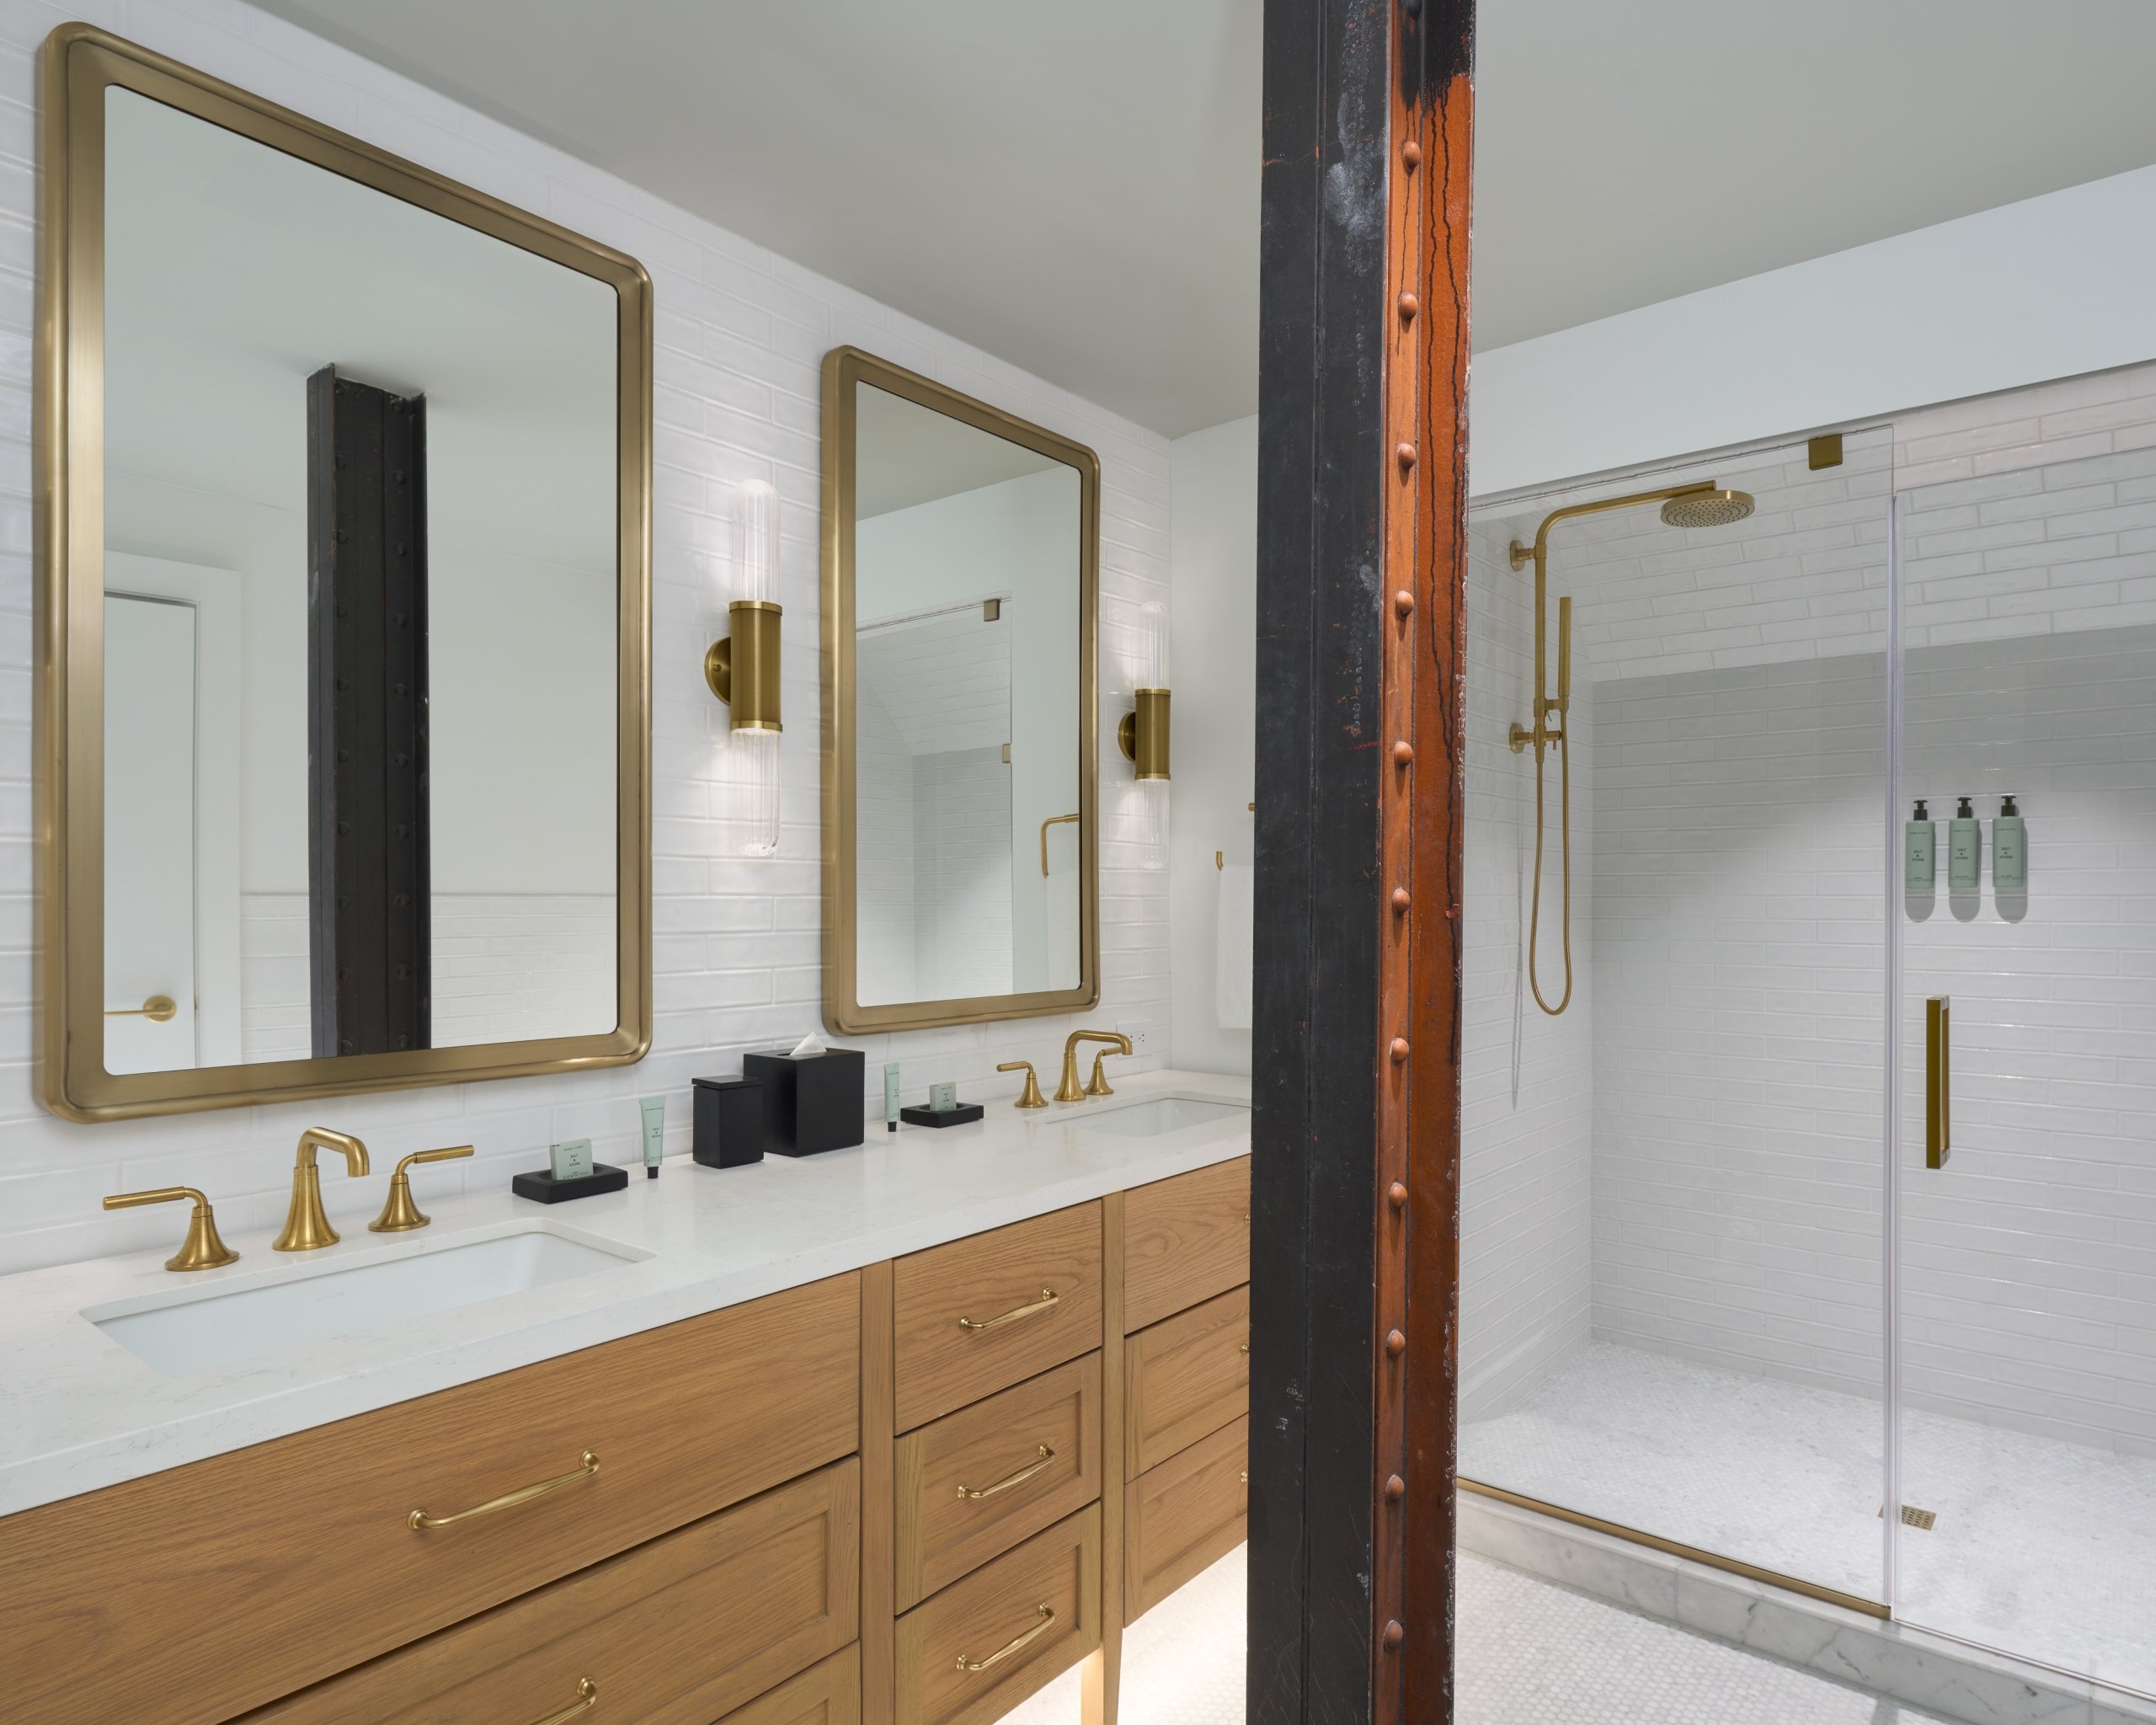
[741, 335]
[1738, 966]
[1524, 1089]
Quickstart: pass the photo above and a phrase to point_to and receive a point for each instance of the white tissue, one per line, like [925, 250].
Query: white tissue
[809, 1044]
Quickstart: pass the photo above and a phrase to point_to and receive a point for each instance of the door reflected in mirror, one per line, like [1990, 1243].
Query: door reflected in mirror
[359, 527]
[963, 589]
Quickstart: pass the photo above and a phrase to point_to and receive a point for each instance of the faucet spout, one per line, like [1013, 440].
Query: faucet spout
[1070, 1090]
[306, 1224]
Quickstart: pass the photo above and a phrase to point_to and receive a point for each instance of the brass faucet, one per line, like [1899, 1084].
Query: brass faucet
[306, 1224]
[1069, 1090]
[399, 1214]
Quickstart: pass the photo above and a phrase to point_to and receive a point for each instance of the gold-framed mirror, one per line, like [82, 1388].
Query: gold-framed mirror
[343, 476]
[961, 695]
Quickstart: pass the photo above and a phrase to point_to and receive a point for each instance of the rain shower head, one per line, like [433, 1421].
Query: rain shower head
[1707, 508]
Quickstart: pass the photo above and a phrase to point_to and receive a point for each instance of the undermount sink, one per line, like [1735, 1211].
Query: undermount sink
[223, 1325]
[1163, 1113]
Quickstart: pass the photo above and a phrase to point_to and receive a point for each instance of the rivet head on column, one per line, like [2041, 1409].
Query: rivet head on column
[1409, 305]
[1404, 455]
[1411, 152]
[1396, 1195]
[1402, 753]
[1395, 1488]
[1394, 1635]
[1399, 1050]
[1401, 900]
[1403, 602]
[1395, 1344]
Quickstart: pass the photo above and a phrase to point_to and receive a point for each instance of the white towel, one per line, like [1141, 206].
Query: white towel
[1231, 981]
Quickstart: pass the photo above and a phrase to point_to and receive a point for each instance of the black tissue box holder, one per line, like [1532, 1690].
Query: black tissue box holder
[812, 1103]
[727, 1119]
[540, 1183]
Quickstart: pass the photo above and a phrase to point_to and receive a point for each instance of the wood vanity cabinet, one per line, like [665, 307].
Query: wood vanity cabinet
[910, 1495]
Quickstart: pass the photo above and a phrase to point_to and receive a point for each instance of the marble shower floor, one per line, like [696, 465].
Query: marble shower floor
[2042, 1549]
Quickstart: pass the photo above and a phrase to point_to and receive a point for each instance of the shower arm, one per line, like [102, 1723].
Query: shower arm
[1543, 735]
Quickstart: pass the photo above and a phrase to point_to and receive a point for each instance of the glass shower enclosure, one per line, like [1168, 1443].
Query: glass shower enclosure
[1833, 1185]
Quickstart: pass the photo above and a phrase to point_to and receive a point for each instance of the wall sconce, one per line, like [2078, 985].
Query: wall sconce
[743, 669]
[1143, 735]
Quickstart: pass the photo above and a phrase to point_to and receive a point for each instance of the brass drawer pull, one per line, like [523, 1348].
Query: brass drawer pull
[1009, 1647]
[587, 1695]
[1009, 1479]
[588, 1467]
[1049, 1297]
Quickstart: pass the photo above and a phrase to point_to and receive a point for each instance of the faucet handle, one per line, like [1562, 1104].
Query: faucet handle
[202, 1249]
[1030, 1096]
[399, 1212]
[1099, 1084]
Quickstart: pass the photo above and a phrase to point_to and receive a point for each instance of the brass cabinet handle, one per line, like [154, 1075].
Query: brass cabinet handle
[1009, 1647]
[587, 1693]
[1009, 1479]
[1049, 1297]
[1938, 1079]
[158, 1009]
[588, 1467]
[1244, 1349]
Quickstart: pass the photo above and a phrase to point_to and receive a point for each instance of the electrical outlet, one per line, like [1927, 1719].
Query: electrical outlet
[1141, 1035]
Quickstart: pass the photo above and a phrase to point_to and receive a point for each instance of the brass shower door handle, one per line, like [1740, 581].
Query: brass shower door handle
[1938, 1079]
[1053, 820]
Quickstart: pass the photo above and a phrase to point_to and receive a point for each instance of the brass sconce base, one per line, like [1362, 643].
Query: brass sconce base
[1143, 735]
[745, 676]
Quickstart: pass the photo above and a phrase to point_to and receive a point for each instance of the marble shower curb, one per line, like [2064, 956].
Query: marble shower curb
[1924, 1671]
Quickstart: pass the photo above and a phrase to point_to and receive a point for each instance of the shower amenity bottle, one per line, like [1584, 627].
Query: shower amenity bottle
[2010, 849]
[654, 1135]
[1920, 851]
[1964, 847]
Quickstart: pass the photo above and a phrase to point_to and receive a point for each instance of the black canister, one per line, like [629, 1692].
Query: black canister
[812, 1103]
[726, 1121]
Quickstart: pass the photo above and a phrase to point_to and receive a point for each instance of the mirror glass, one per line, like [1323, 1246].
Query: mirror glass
[361, 534]
[970, 629]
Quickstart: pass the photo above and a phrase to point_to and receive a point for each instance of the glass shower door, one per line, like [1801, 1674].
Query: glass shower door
[2025, 1153]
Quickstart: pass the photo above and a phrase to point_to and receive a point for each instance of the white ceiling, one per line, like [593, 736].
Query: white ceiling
[1075, 186]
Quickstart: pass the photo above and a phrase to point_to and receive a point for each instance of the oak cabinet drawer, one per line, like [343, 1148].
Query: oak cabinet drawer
[974, 1483]
[677, 1631]
[983, 1313]
[1185, 1240]
[191, 1595]
[984, 1644]
[1183, 1516]
[828, 1694]
[1185, 1377]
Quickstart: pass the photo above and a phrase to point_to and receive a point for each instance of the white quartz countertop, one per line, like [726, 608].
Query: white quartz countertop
[78, 1411]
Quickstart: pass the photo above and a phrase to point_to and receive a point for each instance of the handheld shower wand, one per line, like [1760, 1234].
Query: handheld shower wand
[1702, 506]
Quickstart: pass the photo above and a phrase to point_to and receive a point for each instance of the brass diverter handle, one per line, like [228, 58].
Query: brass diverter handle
[158, 1009]
[1048, 1622]
[1009, 1479]
[306, 1224]
[587, 1693]
[399, 1212]
[202, 1249]
[1049, 1297]
[419, 1521]
[1030, 1096]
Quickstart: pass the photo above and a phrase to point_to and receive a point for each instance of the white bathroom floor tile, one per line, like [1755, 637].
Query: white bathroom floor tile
[2042, 1549]
[1535, 1654]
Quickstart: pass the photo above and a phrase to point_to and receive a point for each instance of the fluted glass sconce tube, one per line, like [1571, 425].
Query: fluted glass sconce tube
[1143, 734]
[743, 669]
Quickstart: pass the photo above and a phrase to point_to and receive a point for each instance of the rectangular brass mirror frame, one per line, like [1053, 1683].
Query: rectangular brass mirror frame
[844, 368]
[79, 63]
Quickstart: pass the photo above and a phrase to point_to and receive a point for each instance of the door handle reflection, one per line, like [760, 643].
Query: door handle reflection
[158, 1008]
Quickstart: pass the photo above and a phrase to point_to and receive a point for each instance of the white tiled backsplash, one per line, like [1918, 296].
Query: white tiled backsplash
[740, 336]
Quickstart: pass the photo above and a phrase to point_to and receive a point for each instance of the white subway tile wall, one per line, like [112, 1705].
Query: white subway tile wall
[1525, 1089]
[1737, 970]
[740, 336]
